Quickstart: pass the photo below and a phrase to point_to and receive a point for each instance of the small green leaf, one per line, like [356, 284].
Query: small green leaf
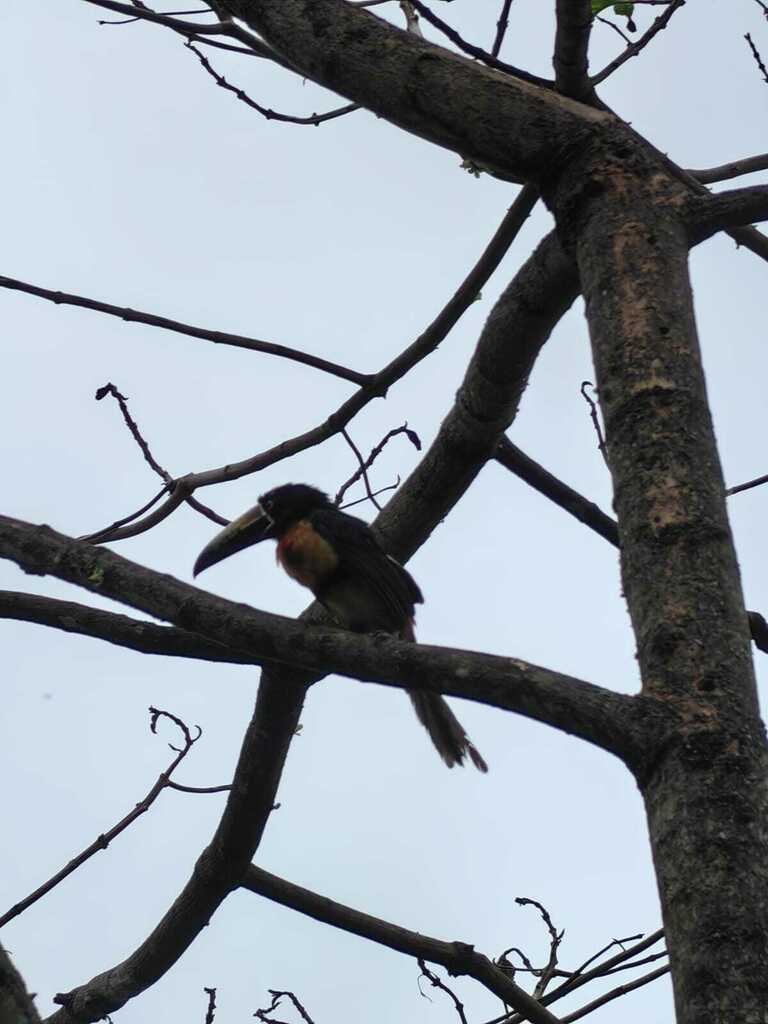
[96, 576]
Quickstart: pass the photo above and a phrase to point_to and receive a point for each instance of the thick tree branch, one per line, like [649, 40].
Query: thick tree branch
[732, 209]
[571, 62]
[217, 337]
[121, 630]
[516, 128]
[458, 958]
[579, 708]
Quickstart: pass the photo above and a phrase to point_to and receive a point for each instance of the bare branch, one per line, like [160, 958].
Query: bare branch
[277, 996]
[379, 383]
[501, 28]
[756, 55]
[217, 337]
[735, 169]
[757, 482]
[571, 61]
[636, 48]
[515, 460]
[622, 990]
[733, 208]
[595, 714]
[458, 958]
[121, 630]
[476, 51]
[435, 982]
[555, 938]
[102, 841]
[267, 112]
[210, 1013]
[376, 451]
[594, 416]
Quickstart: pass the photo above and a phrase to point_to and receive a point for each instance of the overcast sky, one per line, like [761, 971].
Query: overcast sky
[130, 177]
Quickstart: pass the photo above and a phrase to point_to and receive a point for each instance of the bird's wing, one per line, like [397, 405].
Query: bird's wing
[365, 563]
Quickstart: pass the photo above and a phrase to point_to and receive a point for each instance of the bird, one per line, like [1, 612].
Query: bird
[339, 558]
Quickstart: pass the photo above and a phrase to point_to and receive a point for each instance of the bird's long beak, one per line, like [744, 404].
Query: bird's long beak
[250, 528]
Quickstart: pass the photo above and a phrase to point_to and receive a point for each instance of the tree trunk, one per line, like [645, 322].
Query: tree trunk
[703, 773]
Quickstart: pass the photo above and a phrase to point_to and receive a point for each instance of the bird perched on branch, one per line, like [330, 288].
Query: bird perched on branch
[338, 557]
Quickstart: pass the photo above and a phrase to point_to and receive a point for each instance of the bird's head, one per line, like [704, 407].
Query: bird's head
[276, 512]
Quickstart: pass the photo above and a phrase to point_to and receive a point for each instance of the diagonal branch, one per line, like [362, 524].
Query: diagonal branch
[458, 958]
[636, 48]
[217, 337]
[380, 382]
[593, 713]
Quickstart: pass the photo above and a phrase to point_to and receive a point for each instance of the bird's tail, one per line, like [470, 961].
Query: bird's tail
[445, 730]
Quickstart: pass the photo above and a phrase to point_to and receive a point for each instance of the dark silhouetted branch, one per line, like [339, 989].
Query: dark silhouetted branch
[423, 346]
[267, 112]
[595, 714]
[17, 1006]
[458, 958]
[734, 208]
[571, 63]
[523, 466]
[636, 48]
[217, 337]
[103, 841]
[735, 169]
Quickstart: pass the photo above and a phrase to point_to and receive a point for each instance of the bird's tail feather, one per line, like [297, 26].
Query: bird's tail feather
[445, 730]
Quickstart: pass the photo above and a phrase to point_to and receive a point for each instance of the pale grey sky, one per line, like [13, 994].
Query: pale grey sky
[129, 177]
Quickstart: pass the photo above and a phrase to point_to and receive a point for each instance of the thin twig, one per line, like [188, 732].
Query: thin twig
[165, 323]
[210, 1013]
[634, 49]
[267, 112]
[435, 982]
[377, 385]
[615, 993]
[412, 436]
[758, 58]
[501, 28]
[362, 468]
[476, 51]
[594, 417]
[263, 1014]
[103, 841]
[555, 938]
[165, 476]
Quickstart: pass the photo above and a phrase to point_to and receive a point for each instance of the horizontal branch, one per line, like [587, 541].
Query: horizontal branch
[579, 708]
[734, 208]
[217, 337]
[458, 958]
[735, 169]
[120, 630]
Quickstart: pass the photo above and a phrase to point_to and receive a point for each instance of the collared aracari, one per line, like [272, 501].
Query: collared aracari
[338, 557]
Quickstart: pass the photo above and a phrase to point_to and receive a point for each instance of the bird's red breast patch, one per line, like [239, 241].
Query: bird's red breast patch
[306, 556]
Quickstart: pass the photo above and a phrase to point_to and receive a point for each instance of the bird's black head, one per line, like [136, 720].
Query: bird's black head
[276, 511]
[286, 504]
